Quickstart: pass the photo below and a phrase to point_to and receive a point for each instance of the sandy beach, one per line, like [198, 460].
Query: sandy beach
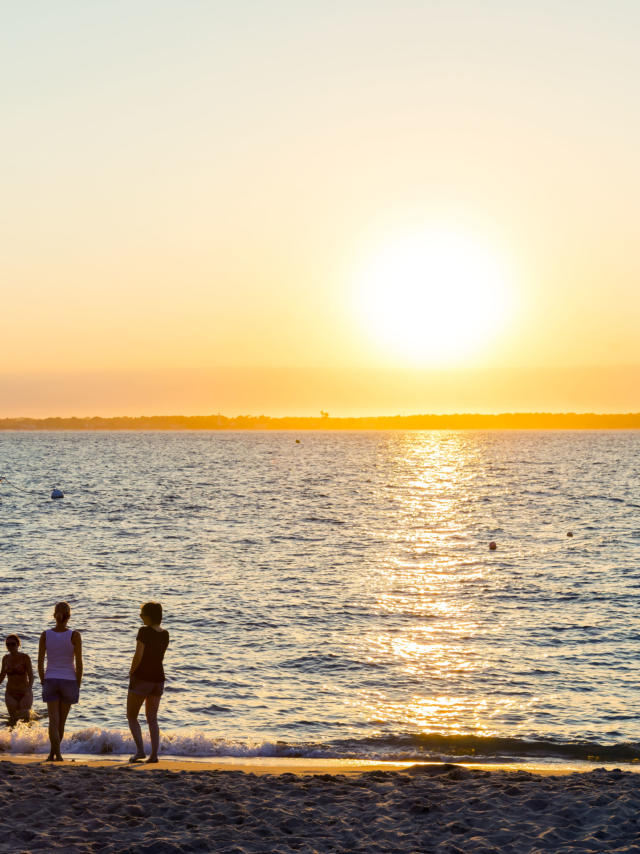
[109, 806]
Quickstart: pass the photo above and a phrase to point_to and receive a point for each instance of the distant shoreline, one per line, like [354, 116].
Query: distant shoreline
[463, 421]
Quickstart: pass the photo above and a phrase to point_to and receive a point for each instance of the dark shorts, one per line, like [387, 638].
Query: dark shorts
[65, 690]
[145, 689]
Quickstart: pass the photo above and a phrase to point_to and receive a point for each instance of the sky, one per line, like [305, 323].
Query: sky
[242, 208]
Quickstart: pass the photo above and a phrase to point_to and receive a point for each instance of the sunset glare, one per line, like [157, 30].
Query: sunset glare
[433, 297]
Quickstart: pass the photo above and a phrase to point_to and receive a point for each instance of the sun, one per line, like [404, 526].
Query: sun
[433, 296]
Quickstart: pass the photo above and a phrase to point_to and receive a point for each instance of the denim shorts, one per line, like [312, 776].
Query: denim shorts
[144, 688]
[65, 690]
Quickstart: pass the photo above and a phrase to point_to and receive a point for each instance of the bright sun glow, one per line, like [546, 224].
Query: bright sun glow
[433, 297]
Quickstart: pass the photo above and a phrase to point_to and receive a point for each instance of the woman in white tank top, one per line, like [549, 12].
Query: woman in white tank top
[63, 675]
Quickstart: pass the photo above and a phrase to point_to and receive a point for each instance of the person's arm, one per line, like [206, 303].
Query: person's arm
[76, 640]
[30, 672]
[3, 672]
[137, 657]
[41, 650]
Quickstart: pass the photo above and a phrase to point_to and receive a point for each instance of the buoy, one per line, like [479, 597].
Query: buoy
[297, 441]
[492, 546]
[569, 533]
[57, 493]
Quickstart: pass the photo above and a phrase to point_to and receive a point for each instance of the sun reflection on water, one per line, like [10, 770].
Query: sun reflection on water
[444, 714]
[427, 566]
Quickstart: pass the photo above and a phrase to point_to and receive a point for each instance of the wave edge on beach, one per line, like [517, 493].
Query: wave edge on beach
[32, 738]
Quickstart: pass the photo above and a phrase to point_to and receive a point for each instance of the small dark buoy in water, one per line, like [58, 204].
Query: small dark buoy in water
[569, 533]
[57, 493]
[297, 441]
[493, 546]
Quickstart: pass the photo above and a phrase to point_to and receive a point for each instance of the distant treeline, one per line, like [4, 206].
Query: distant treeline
[505, 421]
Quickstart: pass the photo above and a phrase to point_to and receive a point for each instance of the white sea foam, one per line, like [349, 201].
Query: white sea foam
[33, 738]
[24, 738]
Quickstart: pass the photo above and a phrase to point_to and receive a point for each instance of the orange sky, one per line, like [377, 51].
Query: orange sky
[197, 202]
[305, 391]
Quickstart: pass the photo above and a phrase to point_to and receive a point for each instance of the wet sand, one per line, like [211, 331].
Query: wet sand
[106, 805]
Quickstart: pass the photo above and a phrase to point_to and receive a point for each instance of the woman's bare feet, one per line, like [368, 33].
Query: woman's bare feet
[54, 757]
[153, 758]
[137, 757]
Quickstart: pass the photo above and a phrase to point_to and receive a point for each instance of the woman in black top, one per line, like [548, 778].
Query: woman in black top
[146, 682]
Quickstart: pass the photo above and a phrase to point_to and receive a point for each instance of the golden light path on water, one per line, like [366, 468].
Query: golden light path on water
[443, 637]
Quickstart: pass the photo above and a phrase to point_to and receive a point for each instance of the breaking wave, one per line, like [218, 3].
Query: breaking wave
[33, 738]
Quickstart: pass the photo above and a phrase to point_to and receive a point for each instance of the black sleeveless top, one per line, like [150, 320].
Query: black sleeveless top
[155, 643]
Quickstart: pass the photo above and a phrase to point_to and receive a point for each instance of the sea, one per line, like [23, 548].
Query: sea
[335, 594]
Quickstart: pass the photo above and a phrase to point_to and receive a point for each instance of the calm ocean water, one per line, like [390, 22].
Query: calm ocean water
[336, 596]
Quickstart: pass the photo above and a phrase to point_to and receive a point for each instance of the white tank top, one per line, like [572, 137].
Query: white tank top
[59, 655]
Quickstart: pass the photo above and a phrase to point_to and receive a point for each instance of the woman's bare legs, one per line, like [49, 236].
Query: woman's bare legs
[13, 707]
[151, 712]
[25, 705]
[134, 703]
[64, 712]
[58, 711]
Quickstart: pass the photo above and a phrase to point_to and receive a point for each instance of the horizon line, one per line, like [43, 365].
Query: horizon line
[424, 421]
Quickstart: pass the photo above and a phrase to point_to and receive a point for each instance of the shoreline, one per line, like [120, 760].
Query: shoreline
[278, 766]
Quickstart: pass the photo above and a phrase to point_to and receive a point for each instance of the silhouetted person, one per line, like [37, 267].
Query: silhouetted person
[146, 681]
[61, 680]
[16, 666]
